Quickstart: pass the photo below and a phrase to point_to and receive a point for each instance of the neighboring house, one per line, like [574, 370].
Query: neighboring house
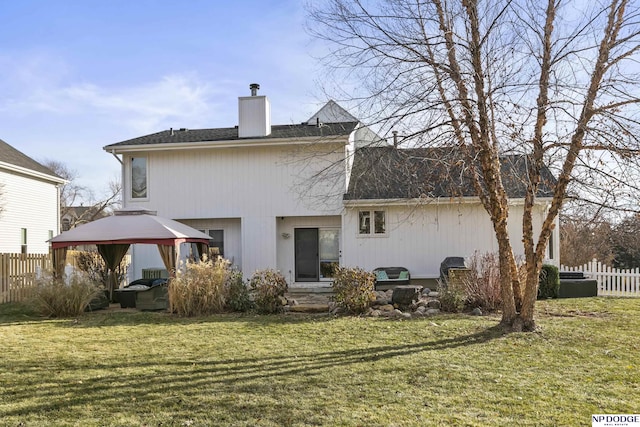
[303, 198]
[73, 216]
[29, 203]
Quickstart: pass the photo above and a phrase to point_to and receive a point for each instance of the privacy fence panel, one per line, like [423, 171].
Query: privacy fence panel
[18, 274]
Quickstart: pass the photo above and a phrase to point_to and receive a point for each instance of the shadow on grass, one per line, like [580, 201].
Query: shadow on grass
[192, 381]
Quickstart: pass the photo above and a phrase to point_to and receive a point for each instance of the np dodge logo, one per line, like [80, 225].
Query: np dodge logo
[609, 420]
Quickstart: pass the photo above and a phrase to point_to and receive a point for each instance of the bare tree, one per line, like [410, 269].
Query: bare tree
[584, 238]
[73, 195]
[554, 81]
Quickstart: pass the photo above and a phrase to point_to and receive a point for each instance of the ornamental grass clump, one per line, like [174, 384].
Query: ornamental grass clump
[353, 289]
[55, 297]
[199, 290]
[268, 288]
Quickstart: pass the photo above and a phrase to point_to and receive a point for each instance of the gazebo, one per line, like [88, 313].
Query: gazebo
[114, 234]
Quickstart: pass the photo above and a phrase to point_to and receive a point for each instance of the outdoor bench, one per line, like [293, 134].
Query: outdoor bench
[391, 276]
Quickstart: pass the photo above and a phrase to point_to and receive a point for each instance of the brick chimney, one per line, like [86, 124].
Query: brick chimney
[254, 113]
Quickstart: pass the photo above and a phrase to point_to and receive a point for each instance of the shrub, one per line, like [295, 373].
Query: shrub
[60, 298]
[549, 284]
[92, 264]
[452, 296]
[482, 284]
[268, 288]
[238, 298]
[200, 289]
[353, 289]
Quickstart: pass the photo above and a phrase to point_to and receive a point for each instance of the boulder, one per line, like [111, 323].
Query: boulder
[404, 295]
[434, 303]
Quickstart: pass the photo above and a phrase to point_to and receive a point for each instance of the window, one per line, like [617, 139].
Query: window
[379, 226]
[138, 177]
[66, 224]
[329, 252]
[23, 240]
[216, 244]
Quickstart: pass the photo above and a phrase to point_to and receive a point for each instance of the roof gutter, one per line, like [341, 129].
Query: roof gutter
[429, 201]
[238, 143]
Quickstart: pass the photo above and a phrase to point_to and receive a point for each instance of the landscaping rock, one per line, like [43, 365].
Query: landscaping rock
[381, 301]
[426, 291]
[375, 313]
[434, 303]
[476, 312]
[386, 308]
[432, 311]
[406, 315]
[434, 294]
[421, 310]
[404, 295]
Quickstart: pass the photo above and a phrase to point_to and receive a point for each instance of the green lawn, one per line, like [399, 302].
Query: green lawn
[153, 369]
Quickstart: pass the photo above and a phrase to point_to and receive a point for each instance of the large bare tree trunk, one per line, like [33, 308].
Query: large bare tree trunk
[499, 77]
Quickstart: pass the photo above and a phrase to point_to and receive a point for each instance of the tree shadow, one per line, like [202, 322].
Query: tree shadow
[149, 381]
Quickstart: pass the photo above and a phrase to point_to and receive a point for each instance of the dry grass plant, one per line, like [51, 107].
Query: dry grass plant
[199, 290]
[64, 298]
[482, 284]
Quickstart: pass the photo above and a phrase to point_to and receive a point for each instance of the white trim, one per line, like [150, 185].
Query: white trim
[262, 142]
[31, 172]
[364, 203]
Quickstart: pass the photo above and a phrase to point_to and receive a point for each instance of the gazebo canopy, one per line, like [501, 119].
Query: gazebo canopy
[127, 227]
[113, 235]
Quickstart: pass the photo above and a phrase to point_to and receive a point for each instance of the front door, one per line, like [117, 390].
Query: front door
[307, 255]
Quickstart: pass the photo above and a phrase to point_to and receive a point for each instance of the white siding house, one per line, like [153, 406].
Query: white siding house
[29, 203]
[294, 197]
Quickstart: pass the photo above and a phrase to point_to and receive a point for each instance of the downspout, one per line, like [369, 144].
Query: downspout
[113, 153]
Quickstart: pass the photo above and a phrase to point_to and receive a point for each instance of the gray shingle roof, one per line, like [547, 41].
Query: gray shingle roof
[230, 134]
[391, 173]
[10, 155]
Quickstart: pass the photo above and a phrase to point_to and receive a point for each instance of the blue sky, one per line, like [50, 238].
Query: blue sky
[76, 75]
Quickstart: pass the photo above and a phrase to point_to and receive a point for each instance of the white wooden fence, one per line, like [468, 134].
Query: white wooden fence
[611, 281]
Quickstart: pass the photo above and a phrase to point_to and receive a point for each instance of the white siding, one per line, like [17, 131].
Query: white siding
[242, 182]
[27, 203]
[258, 244]
[419, 238]
[252, 185]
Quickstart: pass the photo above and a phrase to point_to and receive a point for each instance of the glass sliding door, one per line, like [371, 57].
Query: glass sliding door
[317, 252]
[329, 249]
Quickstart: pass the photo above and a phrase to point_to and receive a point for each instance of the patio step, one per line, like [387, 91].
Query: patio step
[310, 297]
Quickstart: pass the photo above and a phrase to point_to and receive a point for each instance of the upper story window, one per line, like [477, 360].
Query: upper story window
[23, 240]
[372, 223]
[139, 178]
